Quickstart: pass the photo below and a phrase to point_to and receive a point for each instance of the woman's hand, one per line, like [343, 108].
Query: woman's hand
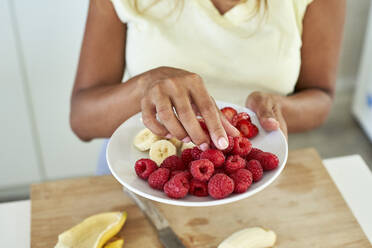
[166, 89]
[268, 110]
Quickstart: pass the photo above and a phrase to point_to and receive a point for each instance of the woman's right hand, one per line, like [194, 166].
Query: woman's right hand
[166, 89]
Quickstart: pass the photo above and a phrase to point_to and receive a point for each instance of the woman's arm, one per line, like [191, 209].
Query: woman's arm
[309, 106]
[100, 102]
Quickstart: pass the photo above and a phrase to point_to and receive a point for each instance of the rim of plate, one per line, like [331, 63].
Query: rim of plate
[214, 202]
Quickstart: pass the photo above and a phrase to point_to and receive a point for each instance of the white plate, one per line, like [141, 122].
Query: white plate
[122, 155]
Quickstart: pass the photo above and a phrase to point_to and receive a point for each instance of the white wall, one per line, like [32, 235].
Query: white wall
[37, 68]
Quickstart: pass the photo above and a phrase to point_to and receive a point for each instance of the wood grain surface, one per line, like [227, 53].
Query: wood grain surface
[302, 206]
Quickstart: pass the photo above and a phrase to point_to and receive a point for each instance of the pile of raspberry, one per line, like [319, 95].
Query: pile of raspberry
[212, 172]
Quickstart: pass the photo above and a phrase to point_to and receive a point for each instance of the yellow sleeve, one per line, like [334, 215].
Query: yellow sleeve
[300, 7]
[126, 10]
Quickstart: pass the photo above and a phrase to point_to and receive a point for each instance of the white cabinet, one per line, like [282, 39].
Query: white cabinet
[51, 34]
[19, 163]
[362, 106]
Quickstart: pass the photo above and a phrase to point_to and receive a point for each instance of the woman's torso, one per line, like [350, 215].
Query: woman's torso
[235, 53]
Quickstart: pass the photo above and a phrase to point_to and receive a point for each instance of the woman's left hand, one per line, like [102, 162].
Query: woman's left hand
[268, 110]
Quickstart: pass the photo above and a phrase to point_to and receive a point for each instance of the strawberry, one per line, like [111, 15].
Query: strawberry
[229, 113]
[247, 129]
[239, 117]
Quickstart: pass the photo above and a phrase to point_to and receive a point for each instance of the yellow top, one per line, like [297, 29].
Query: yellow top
[235, 53]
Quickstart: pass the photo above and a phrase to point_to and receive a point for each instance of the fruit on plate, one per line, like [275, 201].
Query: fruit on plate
[186, 156]
[239, 117]
[176, 142]
[93, 232]
[198, 188]
[234, 163]
[242, 146]
[254, 166]
[160, 150]
[215, 156]
[173, 163]
[216, 173]
[144, 139]
[144, 167]
[229, 113]
[242, 180]
[253, 153]
[220, 186]
[187, 146]
[247, 128]
[118, 243]
[255, 237]
[268, 160]
[177, 187]
[202, 169]
[158, 178]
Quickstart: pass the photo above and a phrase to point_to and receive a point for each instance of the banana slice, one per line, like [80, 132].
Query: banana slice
[187, 145]
[144, 139]
[176, 142]
[255, 237]
[162, 149]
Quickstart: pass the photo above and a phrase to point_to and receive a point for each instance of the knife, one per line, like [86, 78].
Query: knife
[165, 233]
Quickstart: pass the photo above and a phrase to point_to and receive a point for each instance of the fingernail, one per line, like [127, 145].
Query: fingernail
[204, 147]
[168, 136]
[186, 140]
[223, 143]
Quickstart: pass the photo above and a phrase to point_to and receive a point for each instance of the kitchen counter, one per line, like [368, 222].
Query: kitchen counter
[57, 205]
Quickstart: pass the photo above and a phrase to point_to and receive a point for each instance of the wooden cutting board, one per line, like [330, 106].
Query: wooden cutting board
[302, 206]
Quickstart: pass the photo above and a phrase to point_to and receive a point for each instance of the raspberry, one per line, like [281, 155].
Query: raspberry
[239, 117]
[247, 129]
[242, 179]
[230, 146]
[255, 168]
[215, 156]
[229, 113]
[198, 188]
[158, 178]
[173, 163]
[218, 170]
[186, 156]
[144, 167]
[234, 163]
[195, 153]
[253, 154]
[177, 187]
[186, 173]
[220, 186]
[242, 146]
[268, 160]
[202, 169]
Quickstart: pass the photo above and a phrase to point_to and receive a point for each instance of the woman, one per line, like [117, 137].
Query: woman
[279, 56]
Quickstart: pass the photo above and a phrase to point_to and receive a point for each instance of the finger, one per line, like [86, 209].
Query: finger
[229, 128]
[149, 118]
[211, 116]
[281, 120]
[263, 107]
[190, 123]
[195, 109]
[164, 110]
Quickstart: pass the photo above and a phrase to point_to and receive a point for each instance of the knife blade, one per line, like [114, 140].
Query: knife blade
[165, 233]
